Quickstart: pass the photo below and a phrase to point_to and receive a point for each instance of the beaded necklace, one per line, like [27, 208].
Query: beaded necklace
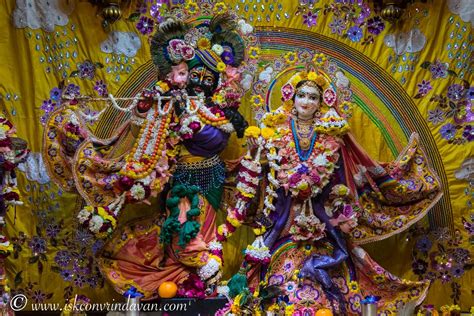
[303, 157]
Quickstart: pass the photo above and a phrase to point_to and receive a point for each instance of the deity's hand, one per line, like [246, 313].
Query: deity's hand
[348, 226]
[252, 143]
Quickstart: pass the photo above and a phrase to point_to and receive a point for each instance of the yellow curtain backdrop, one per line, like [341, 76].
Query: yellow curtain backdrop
[52, 261]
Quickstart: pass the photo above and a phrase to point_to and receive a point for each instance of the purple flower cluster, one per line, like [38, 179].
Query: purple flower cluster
[86, 70]
[310, 18]
[145, 25]
[439, 70]
[456, 92]
[448, 131]
[375, 25]
[424, 87]
[37, 245]
[101, 88]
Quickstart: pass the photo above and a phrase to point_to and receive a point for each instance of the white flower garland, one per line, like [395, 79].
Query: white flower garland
[127, 109]
[209, 269]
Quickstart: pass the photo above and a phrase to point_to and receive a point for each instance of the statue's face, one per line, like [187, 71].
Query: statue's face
[179, 75]
[306, 103]
[201, 80]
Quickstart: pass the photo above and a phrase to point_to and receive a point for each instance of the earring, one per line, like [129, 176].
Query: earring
[317, 114]
[293, 111]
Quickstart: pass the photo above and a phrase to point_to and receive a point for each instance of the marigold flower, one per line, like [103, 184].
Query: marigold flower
[267, 132]
[252, 131]
[204, 43]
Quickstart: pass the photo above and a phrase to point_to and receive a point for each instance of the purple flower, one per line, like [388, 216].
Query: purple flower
[456, 92]
[90, 116]
[97, 246]
[47, 106]
[295, 178]
[86, 70]
[80, 280]
[155, 12]
[424, 244]
[276, 279]
[337, 25]
[37, 245]
[83, 237]
[72, 90]
[457, 271]
[101, 88]
[439, 70]
[303, 169]
[424, 87]
[227, 58]
[448, 131]
[445, 276]
[39, 296]
[52, 230]
[310, 19]
[355, 33]
[354, 303]
[62, 258]
[436, 116]
[375, 25]
[468, 133]
[145, 25]
[55, 94]
[460, 255]
[93, 281]
[364, 11]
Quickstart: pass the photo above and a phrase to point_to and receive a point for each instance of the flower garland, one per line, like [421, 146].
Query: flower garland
[305, 179]
[247, 183]
[197, 115]
[145, 153]
[99, 220]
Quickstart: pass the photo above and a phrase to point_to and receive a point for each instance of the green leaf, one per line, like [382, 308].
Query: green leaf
[134, 16]
[75, 73]
[33, 259]
[38, 231]
[425, 64]
[418, 96]
[99, 65]
[43, 257]
[40, 267]
[466, 84]
[56, 269]
[452, 73]
[18, 279]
